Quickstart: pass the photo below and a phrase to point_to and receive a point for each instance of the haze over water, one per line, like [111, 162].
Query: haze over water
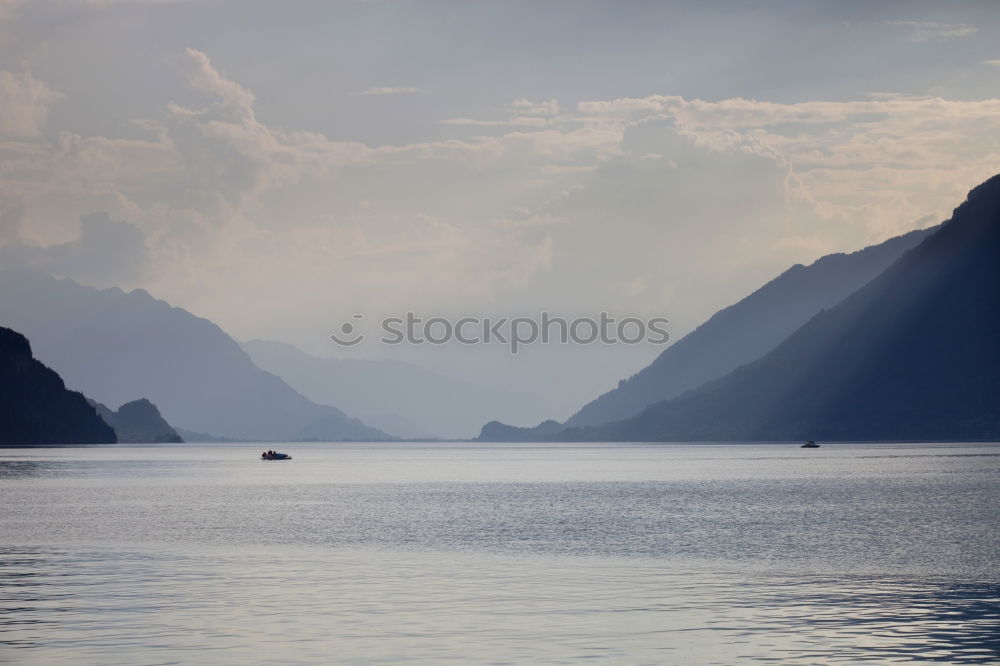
[501, 553]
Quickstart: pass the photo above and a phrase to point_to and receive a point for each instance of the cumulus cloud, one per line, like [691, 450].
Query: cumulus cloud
[229, 156]
[24, 104]
[875, 165]
[621, 202]
[202, 76]
[385, 90]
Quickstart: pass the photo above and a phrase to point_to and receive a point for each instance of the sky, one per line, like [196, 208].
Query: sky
[279, 167]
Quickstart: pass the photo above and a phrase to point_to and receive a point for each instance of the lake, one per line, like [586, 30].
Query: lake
[469, 553]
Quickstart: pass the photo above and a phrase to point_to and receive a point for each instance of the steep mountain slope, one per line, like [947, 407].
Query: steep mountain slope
[746, 330]
[115, 345]
[36, 407]
[915, 354]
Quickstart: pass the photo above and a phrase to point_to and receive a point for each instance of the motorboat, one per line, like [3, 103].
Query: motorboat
[810, 445]
[274, 455]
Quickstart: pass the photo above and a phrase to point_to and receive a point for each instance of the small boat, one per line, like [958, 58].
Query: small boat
[809, 445]
[274, 455]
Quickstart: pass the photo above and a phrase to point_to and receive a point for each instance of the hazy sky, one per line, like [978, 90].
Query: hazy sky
[279, 166]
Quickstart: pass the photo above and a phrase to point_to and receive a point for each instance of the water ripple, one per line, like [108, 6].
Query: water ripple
[70, 605]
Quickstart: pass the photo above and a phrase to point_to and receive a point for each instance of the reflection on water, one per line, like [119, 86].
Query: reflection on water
[694, 555]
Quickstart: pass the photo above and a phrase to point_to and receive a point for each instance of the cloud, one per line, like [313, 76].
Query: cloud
[995, 63]
[229, 156]
[24, 104]
[107, 252]
[923, 31]
[202, 76]
[381, 91]
[621, 107]
[626, 202]
[529, 108]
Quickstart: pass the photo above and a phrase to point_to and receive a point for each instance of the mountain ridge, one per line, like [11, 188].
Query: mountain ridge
[138, 421]
[910, 356]
[115, 345]
[735, 335]
[747, 329]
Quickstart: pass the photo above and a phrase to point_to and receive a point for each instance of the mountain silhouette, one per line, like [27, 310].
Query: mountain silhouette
[115, 345]
[138, 421]
[36, 407]
[913, 355]
[733, 336]
[747, 330]
[495, 431]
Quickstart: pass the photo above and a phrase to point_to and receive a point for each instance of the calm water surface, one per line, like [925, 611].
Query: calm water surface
[459, 553]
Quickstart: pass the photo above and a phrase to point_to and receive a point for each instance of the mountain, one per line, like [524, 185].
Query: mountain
[732, 337]
[913, 355]
[115, 345]
[36, 407]
[138, 421]
[747, 330]
[495, 431]
[404, 399]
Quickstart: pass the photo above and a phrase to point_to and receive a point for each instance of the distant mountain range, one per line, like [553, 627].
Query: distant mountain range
[403, 399]
[732, 337]
[138, 421]
[35, 406]
[895, 342]
[747, 330]
[912, 355]
[115, 345]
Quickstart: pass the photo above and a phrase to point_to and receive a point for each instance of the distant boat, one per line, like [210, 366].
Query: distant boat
[274, 455]
[810, 445]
